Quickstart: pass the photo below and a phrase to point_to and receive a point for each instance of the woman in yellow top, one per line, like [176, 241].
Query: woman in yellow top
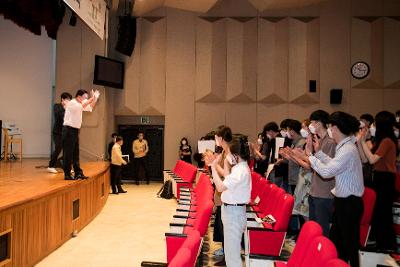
[116, 162]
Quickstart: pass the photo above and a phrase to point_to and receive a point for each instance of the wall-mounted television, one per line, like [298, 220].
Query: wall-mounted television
[109, 72]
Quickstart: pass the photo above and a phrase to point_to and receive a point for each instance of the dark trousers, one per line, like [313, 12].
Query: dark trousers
[115, 171]
[218, 235]
[140, 163]
[345, 230]
[58, 146]
[382, 221]
[70, 137]
[320, 210]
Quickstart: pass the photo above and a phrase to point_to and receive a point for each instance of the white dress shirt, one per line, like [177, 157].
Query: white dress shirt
[345, 167]
[238, 184]
[73, 113]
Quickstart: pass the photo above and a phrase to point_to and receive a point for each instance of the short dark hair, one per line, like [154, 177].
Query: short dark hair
[81, 92]
[239, 145]
[271, 126]
[294, 125]
[66, 95]
[225, 132]
[114, 135]
[140, 132]
[321, 116]
[397, 113]
[368, 117]
[285, 123]
[347, 124]
[384, 123]
[119, 138]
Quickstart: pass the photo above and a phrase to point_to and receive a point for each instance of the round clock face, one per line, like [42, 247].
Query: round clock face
[360, 70]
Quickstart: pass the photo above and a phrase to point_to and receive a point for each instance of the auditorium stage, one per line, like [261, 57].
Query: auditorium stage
[39, 211]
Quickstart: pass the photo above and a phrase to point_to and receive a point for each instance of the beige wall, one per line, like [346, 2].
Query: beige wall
[76, 50]
[26, 85]
[237, 66]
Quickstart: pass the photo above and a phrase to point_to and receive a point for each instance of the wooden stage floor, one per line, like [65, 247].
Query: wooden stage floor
[39, 211]
[22, 182]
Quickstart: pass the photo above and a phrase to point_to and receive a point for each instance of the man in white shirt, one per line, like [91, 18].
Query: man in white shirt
[70, 133]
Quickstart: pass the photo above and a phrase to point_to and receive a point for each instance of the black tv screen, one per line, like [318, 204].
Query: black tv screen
[109, 72]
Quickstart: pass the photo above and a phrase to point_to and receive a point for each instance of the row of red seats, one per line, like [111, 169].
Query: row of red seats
[184, 240]
[267, 199]
[182, 175]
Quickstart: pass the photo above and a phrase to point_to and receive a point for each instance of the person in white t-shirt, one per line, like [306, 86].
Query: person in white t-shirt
[235, 188]
[70, 133]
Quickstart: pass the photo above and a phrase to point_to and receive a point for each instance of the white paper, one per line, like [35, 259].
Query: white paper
[269, 170]
[204, 145]
[279, 143]
[257, 200]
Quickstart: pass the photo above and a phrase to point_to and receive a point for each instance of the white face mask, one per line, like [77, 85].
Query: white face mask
[303, 133]
[396, 133]
[312, 129]
[217, 141]
[330, 133]
[283, 133]
[231, 159]
[184, 142]
[259, 141]
[269, 136]
[372, 130]
[398, 119]
[362, 124]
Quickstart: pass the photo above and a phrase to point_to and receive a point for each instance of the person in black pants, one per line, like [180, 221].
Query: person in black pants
[70, 133]
[58, 111]
[111, 144]
[116, 162]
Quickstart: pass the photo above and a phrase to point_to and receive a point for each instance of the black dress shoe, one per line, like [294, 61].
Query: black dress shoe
[69, 177]
[137, 182]
[81, 176]
[122, 191]
[115, 193]
[148, 182]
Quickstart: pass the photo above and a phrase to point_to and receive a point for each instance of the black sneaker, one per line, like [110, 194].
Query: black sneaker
[69, 177]
[81, 176]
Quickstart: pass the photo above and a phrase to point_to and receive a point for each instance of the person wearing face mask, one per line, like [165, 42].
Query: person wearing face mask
[281, 170]
[185, 151]
[223, 135]
[270, 132]
[111, 144]
[235, 188]
[58, 112]
[346, 167]
[70, 133]
[140, 148]
[383, 157]
[115, 168]
[365, 122]
[259, 151]
[320, 200]
[305, 131]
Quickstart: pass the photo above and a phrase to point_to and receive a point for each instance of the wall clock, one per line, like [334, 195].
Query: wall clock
[360, 70]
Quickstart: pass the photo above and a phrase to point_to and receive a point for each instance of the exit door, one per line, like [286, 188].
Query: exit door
[154, 134]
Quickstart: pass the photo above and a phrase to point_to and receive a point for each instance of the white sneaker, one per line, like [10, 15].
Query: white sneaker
[219, 252]
[52, 170]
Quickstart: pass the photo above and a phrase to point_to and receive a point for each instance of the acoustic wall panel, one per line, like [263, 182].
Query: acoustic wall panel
[208, 117]
[367, 45]
[152, 67]
[270, 112]
[391, 58]
[241, 59]
[272, 60]
[242, 118]
[210, 59]
[303, 59]
[368, 101]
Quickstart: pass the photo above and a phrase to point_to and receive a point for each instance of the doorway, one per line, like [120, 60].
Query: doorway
[154, 134]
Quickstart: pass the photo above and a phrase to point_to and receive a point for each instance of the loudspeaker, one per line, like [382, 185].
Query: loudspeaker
[312, 87]
[336, 96]
[126, 35]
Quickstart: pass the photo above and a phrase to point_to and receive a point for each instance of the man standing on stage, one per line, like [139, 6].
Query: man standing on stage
[58, 110]
[140, 149]
[70, 133]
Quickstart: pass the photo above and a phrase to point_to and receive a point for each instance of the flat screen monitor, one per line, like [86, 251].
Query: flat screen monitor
[109, 72]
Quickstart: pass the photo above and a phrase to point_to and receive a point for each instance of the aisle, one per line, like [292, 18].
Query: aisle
[129, 229]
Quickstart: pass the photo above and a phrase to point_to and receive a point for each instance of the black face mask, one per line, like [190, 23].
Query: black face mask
[218, 149]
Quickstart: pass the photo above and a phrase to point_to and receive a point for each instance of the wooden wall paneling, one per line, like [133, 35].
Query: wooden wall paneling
[270, 112]
[241, 117]
[368, 101]
[208, 117]
[272, 59]
[152, 68]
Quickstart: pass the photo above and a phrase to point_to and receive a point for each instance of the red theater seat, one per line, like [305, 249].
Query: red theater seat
[320, 251]
[369, 203]
[182, 258]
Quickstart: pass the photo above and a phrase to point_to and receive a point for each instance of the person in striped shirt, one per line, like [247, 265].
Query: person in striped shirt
[346, 167]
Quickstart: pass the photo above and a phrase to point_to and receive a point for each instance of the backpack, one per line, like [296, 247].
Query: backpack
[166, 190]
